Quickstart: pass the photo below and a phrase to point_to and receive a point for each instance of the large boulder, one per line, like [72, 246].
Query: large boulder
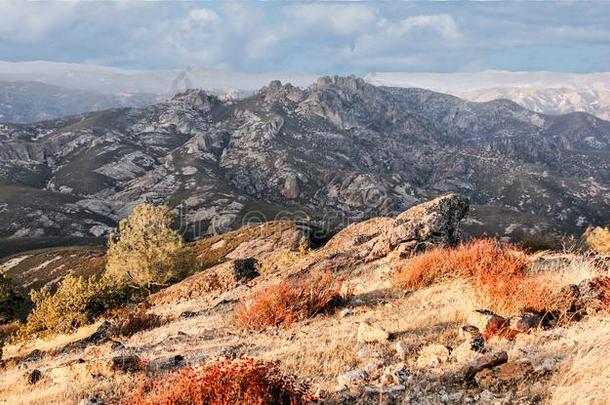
[434, 222]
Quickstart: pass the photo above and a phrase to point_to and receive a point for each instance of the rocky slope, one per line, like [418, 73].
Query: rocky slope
[338, 151]
[382, 346]
[25, 102]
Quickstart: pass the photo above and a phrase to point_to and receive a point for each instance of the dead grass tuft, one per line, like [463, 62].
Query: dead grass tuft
[497, 271]
[241, 381]
[290, 301]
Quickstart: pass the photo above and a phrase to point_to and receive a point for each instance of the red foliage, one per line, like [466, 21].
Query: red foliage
[228, 382]
[290, 301]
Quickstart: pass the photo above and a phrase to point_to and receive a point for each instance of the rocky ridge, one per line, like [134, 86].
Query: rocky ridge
[339, 151]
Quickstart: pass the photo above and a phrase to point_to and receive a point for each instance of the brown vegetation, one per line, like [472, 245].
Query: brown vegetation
[498, 272]
[130, 322]
[228, 382]
[290, 301]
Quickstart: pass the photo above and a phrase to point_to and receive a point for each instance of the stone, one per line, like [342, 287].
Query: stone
[126, 363]
[369, 333]
[507, 373]
[432, 356]
[34, 376]
[483, 362]
[245, 269]
[167, 363]
[91, 401]
[345, 312]
[402, 349]
[547, 365]
[353, 377]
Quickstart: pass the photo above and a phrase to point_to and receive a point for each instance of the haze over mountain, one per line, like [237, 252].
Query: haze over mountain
[24, 102]
[338, 151]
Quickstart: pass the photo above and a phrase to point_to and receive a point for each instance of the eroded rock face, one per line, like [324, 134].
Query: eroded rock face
[339, 150]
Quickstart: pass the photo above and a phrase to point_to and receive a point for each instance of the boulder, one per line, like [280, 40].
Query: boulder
[369, 333]
[483, 362]
[245, 269]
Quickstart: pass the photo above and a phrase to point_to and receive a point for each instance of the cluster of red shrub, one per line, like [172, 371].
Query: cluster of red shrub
[227, 382]
[290, 301]
[497, 271]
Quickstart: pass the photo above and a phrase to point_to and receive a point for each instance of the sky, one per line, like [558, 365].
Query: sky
[311, 37]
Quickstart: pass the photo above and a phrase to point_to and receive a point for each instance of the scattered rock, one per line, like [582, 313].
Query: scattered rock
[167, 363]
[188, 314]
[369, 333]
[245, 269]
[91, 401]
[402, 349]
[117, 346]
[432, 356]
[126, 363]
[345, 312]
[483, 362]
[34, 376]
[34, 356]
[547, 365]
[507, 373]
[391, 390]
[353, 377]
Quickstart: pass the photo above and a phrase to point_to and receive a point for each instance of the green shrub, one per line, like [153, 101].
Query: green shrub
[76, 302]
[148, 254]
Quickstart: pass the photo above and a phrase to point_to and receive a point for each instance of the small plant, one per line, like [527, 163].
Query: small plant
[498, 272]
[598, 239]
[290, 301]
[130, 322]
[228, 382]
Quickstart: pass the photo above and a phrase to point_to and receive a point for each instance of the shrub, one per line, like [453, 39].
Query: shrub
[10, 301]
[148, 253]
[228, 382]
[498, 272]
[290, 301]
[130, 322]
[598, 239]
[76, 302]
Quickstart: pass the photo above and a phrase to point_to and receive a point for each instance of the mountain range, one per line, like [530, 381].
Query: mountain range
[338, 151]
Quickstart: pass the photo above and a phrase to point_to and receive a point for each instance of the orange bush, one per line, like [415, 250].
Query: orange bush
[227, 382]
[290, 301]
[498, 272]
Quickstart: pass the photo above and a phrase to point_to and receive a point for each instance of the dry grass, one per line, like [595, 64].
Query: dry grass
[598, 239]
[290, 301]
[498, 272]
[228, 382]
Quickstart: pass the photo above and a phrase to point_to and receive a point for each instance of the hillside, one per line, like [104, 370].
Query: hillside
[380, 344]
[338, 151]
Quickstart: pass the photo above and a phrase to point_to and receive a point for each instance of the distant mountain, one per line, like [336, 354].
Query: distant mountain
[338, 151]
[549, 100]
[25, 102]
[545, 92]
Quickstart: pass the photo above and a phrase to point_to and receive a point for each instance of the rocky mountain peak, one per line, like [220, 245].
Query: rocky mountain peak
[197, 98]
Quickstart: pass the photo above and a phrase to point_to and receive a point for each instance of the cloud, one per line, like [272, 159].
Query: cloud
[311, 37]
